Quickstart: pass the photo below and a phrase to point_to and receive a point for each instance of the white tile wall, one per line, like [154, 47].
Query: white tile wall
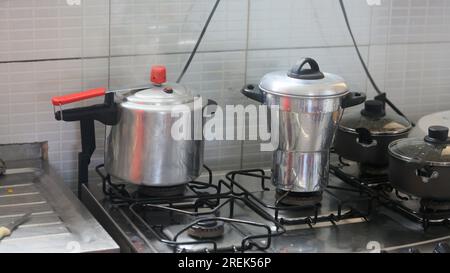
[305, 23]
[158, 27]
[48, 47]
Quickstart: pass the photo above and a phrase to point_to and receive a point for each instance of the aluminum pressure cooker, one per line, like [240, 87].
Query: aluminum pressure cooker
[145, 143]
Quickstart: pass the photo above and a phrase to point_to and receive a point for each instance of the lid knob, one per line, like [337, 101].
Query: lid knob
[312, 73]
[437, 134]
[158, 74]
[373, 109]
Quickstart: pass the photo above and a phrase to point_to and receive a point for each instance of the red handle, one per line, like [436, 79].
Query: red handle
[61, 100]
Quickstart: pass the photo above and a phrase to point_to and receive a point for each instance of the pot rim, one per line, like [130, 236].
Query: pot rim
[303, 97]
[393, 133]
[412, 160]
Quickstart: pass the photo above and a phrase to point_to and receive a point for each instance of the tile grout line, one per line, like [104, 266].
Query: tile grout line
[368, 48]
[213, 51]
[109, 43]
[241, 163]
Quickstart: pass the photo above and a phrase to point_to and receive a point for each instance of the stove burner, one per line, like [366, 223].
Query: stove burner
[149, 191]
[207, 229]
[368, 171]
[302, 199]
[365, 174]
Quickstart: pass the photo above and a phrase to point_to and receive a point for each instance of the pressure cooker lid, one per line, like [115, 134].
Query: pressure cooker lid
[374, 117]
[302, 81]
[162, 92]
[434, 149]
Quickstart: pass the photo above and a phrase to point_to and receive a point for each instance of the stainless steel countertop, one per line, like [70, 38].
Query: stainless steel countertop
[59, 222]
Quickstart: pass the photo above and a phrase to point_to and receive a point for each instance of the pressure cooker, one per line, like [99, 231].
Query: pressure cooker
[140, 146]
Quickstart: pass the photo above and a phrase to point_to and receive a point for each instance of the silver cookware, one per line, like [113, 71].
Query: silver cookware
[310, 105]
[140, 145]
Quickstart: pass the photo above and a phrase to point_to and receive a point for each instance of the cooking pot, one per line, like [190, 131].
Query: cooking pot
[364, 134]
[140, 147]
[421, 167]
[310, 105]
[442, 118]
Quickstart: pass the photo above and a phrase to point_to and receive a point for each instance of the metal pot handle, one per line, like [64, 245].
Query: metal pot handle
[352, 99]
[251, 91]
[365, 138]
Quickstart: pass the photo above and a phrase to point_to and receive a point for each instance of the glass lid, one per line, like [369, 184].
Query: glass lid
[374, 117]
[433, 150]
[301, 81]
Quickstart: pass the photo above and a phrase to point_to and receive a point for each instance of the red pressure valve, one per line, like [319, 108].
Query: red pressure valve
[158, 74]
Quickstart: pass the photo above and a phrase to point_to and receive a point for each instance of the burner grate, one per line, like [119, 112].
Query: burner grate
[119, 194]
[313, 216]
[425, 212]
[259, 241]
[202, 205]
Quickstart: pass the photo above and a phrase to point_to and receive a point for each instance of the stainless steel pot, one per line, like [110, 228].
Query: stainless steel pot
[140, 147]
[310, 105]
[421, 167]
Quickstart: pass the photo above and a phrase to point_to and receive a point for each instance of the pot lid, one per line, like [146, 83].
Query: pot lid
[374, 117]
[441, 118]
[304, 82]
[434, 149]
[162, 92]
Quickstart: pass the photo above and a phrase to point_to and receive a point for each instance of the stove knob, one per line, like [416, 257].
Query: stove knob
[442, 248]
[158, 74]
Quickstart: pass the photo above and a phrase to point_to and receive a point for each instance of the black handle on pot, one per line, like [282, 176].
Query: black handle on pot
[352, 99]
[437, 135]
[106, 113]
[365, 138]
[299, 72]
[209, 104]
[426, 173]
[252, 92]
[422, 170]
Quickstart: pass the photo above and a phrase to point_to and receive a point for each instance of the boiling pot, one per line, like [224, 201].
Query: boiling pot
[364, 134]
[310, 105]
[421, 166]
[140, 146]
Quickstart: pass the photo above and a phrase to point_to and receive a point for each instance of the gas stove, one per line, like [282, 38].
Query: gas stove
[241, 211]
